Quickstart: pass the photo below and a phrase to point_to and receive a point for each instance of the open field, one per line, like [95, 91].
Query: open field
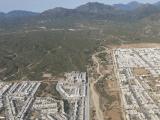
[32, 54]
[137, 45]
[140, 72]
[104, 88]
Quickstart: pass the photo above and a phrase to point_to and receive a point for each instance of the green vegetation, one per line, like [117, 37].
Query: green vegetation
[29, 46]
[48, 89]
[102, 56]
[66, 106]
[54, 92]
[32, 54]
[101, 88]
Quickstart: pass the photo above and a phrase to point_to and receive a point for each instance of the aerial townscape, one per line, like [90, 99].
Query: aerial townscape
[19, 101]
[79, 60]
[137, 71]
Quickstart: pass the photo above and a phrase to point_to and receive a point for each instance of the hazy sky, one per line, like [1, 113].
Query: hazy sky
[41, 5]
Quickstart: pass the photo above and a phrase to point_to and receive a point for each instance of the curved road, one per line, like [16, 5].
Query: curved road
[94, 94]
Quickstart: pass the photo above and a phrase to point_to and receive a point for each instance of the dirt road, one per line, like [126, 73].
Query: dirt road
[94, 94]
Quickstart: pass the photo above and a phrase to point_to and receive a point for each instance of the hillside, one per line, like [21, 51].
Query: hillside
[63, 17]
[60, 39]
[35, 53]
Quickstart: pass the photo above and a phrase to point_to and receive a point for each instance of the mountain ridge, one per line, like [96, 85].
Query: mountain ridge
[133, 4]
[59, 16]
[129, 6]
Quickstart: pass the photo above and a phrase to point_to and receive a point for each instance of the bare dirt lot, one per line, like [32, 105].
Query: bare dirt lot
[138, 45]
[140, 72]
[106, 100]
[113, 111]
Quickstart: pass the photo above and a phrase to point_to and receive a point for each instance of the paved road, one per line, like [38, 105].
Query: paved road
[118, 83]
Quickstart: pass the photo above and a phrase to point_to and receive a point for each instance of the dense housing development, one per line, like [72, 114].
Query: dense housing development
[75, 90]
[49, 108]
[138, 74]
[19, 100]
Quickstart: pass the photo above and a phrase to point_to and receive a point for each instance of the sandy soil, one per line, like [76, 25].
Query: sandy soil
[108, 111]
[94, 95]
[115, 108]
[95, 99]
[140, 71]
[115, 114]
[138, 45]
